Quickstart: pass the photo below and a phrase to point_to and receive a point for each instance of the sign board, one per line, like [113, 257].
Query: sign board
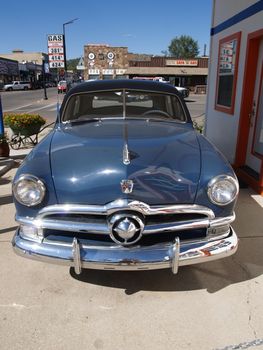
[80, 65]
[107, 71]
[187, 63]
[55, 45]
[120, 71]
[227, 57]
[94, 71]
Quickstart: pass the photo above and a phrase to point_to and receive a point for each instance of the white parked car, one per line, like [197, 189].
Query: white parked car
[17, 85]
[183, 91]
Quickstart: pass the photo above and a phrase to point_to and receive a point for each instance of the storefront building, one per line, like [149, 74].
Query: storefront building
[180, 72]
[107, 62]
[30, 65]
[234, 113]
[9, 71]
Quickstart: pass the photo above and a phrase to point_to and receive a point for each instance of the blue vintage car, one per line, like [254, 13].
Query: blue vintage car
[124, 182]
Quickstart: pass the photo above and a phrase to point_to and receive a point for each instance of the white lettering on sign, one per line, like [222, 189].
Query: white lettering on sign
[57, 64]
[187, 63]
[94, 71]
[56, 57]
[107, 71]
[56, 51]
[120, 71]
[55, 37]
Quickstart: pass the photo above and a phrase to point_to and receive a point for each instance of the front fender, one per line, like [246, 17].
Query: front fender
[213, 163]
[38, 163]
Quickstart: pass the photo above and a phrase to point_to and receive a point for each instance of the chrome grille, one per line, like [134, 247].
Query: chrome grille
[91, 223]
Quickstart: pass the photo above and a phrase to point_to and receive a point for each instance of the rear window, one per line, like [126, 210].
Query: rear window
[123, 104]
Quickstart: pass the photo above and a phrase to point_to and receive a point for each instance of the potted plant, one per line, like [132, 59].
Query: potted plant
[4, 147]
[24, 124]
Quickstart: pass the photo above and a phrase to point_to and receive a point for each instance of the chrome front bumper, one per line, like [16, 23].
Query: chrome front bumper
[133, 258]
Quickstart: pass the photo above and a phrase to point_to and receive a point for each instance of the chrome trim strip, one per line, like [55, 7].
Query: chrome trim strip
[223, 221]
[176, 226]
[123, 204]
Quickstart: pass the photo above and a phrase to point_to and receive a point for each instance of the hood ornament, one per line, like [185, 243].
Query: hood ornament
[126, 155]
[126, 186]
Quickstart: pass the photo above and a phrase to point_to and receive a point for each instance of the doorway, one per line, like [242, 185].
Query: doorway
[249, 153]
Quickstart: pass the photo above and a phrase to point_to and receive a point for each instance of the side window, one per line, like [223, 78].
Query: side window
[227, 69]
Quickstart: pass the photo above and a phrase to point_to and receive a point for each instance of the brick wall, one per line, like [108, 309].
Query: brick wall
[105, 60]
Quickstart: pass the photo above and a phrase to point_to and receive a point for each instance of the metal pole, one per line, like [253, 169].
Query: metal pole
[2, 131]
[44, 79]
[64, 43]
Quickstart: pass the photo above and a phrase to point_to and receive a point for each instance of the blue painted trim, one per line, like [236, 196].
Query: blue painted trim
[248, 12]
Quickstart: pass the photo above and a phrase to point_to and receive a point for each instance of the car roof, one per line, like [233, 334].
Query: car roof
[134, 84]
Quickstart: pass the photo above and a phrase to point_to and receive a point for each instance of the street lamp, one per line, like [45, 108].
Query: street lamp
[64, 42]
[44, 77]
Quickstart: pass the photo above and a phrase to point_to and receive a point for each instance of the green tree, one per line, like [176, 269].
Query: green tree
[183, 46]
[72, 63]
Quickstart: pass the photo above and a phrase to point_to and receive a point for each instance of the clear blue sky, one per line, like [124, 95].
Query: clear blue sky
[145, 26]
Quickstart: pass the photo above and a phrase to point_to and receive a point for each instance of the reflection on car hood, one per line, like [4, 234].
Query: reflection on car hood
[87, 162]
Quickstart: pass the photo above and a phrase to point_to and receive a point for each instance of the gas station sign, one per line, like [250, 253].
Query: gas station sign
[56, 57]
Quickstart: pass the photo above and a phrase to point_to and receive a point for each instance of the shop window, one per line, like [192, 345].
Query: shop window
[227, 73]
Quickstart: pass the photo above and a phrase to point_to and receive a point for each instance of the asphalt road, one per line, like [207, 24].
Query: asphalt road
[32, 101]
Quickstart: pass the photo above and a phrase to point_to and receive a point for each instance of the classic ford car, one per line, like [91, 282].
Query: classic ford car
[124, 182]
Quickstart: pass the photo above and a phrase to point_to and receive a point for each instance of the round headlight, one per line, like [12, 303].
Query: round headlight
[222, 189]
[29, 190]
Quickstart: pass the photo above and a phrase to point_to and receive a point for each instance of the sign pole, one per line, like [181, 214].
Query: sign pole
[2, 130]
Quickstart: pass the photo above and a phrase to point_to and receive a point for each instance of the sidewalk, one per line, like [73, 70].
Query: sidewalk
[16, 156]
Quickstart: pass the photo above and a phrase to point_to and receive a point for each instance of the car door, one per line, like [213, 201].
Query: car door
[16, 86]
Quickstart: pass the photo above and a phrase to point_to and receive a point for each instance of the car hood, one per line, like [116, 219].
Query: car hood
[87, 162]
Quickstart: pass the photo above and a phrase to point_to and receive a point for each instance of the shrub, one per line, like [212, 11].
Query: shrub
[23, 121]
[198, 127]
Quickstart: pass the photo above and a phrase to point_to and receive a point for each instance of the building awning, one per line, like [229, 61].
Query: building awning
[167, 71]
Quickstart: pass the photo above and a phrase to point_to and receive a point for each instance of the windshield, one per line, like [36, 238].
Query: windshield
[123, 104]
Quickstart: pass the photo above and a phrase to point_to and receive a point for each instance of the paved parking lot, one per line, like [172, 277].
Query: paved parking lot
[217, 305]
